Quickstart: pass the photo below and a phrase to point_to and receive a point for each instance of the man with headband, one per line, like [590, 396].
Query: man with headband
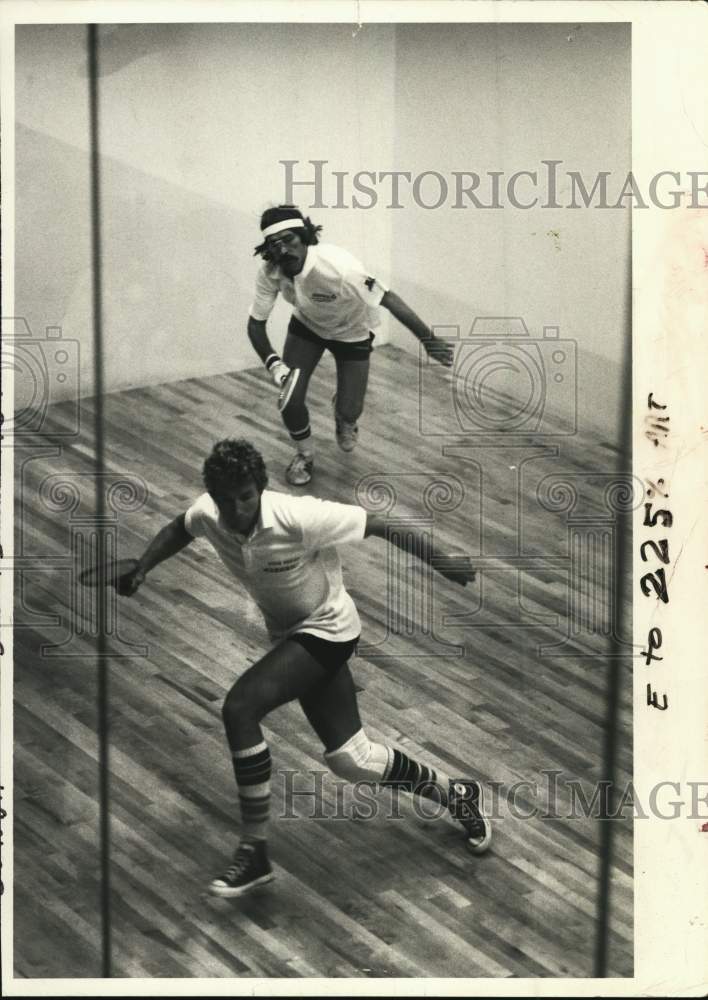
[335, 302]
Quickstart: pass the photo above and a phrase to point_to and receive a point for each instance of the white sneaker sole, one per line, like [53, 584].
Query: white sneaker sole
[297, 482]
[483, 845]
[226, 892]
[286, 393]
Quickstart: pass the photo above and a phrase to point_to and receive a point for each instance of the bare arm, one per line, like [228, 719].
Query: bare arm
[167, 542]
[452, 565]
[440, 350]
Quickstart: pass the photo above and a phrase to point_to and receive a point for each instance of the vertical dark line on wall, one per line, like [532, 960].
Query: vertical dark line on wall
[618, 659]
[102, 662]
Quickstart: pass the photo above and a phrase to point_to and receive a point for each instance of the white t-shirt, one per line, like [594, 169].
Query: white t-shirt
[289, 563]
[334, 295]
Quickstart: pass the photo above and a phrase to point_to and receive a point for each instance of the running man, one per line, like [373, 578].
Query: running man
[283, 550]
[336, 304]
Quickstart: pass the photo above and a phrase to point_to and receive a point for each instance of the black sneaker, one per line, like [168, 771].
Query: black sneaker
[250, 868]
[465, 805]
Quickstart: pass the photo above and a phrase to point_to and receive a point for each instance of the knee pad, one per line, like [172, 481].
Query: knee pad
[359, 759]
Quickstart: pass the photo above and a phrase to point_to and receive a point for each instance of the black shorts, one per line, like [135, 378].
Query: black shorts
[358, 350]
[330, 655]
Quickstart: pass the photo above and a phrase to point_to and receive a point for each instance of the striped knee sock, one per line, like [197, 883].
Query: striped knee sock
[252, 767]
[410, 775]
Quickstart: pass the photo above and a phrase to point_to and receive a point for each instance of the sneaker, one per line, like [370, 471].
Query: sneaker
[250, 868]
[288, 388]
[299, 471]
[347, 434]
[465, 805]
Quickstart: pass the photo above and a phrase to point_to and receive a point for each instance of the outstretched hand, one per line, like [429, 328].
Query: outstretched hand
[456, 567]
[442, 351]
[128, 584]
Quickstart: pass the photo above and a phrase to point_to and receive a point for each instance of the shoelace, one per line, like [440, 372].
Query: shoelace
[468, 813]
[241, 862]
[475, 827]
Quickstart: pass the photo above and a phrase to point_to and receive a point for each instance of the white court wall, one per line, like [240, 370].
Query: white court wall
[194, 120]
[490, 97]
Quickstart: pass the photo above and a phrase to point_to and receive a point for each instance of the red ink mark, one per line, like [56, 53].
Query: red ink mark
[705, 257]
[704, 828]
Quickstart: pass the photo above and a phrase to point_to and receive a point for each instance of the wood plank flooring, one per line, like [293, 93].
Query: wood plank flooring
[453, 676]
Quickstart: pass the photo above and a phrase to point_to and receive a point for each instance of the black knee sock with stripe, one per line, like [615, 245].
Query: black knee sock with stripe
[252, 768]
[303, 440]
[408, 775]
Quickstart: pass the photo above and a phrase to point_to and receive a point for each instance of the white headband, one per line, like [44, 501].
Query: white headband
[278, 227]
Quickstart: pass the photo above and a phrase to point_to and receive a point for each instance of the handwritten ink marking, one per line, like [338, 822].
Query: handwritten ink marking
[656, 428]
[656, 487]
[653, 583]
[654, 641]
[657, 582]
[653, 699]
[667, 518]
[661, 550]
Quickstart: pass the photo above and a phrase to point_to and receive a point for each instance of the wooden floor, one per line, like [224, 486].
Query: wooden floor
[395, 895]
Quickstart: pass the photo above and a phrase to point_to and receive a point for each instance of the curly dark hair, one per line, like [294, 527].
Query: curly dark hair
[231, 461]
[281, 213]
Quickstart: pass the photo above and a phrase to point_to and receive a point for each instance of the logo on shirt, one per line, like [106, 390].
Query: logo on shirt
[281, 565]
[370, 282]
[323, 296]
